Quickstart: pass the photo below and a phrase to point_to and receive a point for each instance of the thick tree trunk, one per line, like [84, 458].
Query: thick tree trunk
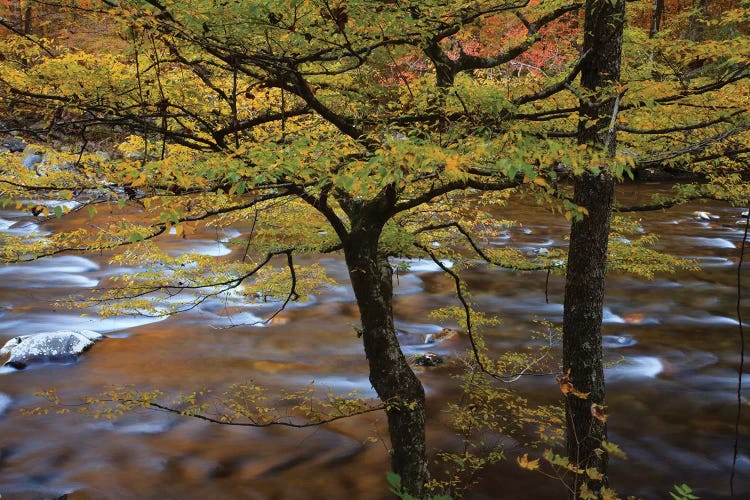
[390, 374]
[587, 254]
[582, 320]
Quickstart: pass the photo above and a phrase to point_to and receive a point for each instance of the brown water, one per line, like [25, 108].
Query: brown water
[671, 401]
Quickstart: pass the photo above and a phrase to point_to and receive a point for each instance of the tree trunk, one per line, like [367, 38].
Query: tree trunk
[390, 374]
[587, 254]
[27, 21]
[656, 14]
[582, 320]
[697, 28]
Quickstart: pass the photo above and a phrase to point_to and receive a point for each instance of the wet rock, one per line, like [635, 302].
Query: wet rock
[703, 215]
[418, 335]
[134, 155]
[428, 359]
[14, 145]
[31, 160]
[48, 347]
[444, 334]
[617, 341]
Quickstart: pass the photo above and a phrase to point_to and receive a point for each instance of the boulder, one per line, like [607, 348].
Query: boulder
[14, 145]
[49, 347]
[701, 215]
[31, 160]
[428, 359]
[444, 334]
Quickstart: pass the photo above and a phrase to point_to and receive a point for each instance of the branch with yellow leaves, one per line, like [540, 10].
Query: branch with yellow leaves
[479, 358]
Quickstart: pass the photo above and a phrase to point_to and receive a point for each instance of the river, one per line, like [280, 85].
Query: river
[671, 400]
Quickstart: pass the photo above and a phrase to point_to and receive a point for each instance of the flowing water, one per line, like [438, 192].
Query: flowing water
[671, 397]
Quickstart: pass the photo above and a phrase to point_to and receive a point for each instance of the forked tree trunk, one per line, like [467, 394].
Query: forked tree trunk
[587, 254]
[390, 374]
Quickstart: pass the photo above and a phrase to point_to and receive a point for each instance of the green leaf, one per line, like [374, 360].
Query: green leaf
[135, 237]
[593, 473]
[394, 480]
[613, 450]
[683, 492]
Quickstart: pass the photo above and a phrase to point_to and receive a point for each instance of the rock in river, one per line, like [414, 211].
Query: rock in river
[428, 359]
[55, 347]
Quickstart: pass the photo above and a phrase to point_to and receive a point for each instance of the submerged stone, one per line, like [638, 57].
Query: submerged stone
[48, 347]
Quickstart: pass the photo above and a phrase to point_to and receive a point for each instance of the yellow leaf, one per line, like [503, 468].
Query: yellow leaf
[608, 494]
[539, 181]
[525, 463]
[613, 450]
[452, 168]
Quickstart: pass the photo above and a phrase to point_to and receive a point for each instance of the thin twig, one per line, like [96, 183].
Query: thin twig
[507, 378]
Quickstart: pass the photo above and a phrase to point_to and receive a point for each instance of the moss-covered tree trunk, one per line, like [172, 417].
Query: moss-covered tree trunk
[587, 255]
[390, 374]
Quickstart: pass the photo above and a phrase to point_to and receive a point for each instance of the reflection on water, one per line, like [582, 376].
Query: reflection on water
[671, 346]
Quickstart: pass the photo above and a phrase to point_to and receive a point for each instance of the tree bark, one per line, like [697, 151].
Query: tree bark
[582, 320]
[27, 21]
[656, 15]
[587, 254]
[390, 374]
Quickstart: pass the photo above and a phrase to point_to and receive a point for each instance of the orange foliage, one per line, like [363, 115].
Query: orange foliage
[676, 11]
[69, 22]
[557, 46]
